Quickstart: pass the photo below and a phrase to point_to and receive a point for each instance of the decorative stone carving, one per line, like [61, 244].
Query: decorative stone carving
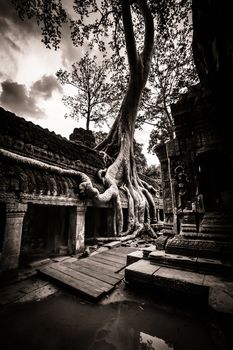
[181, 187]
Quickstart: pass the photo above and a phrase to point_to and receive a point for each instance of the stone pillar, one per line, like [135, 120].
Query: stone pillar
[77, 222]
[161, 153]
[15, 213]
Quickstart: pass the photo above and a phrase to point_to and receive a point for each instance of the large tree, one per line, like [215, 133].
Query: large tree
[96, 95]
[126, 27]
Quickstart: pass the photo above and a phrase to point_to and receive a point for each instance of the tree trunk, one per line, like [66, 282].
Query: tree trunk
[119, 143]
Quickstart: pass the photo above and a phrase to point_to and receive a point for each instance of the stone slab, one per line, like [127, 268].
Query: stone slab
[141, 270]
[38, 294]
[148, 250]
[201, 265]
[134, 257]
[113, 244]
[183, 282]
[20, 290]
[173, 260]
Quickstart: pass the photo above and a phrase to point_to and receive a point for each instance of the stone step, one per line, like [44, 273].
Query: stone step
[196, 264]
[167, 279]
[148, 250]
[216, 291]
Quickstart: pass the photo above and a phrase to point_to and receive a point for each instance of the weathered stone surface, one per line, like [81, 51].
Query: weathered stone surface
[83, 137]
[134, 257]
[31, 139]
[221, 298]
[148, 250]
[140, 271]
[15, 213]
[173, 260]
[160, 242]
[199, 247]
[183, 282]
[179, 275]
[27, 290]
[112, 245]
[196, 264]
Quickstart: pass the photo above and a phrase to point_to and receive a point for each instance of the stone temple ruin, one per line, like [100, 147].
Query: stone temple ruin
[197, 166]
[194, 255]
[41, 209]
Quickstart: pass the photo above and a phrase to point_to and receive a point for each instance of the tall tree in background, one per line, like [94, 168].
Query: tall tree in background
[126, 27]
[96, 96]
[172, 73]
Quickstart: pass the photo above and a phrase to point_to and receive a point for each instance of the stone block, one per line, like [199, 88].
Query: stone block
[183, 282]
[113, 244]
[148, 250]
[140, 271]
[134, 257]
[173, 260]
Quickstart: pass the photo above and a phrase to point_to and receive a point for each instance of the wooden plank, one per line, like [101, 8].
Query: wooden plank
[106, 261]
[97, 274]
[116, 259]
[114, 253]
[97, 266]
[103, 286]
[125, 250]
[75, 284]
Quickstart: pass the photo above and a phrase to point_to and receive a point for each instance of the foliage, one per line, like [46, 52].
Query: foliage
[140, 159]
[99, 136]
[97, 97]
[153, 171]
[172, 73]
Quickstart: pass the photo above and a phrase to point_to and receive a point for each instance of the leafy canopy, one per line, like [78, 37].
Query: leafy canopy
[96, 98]
[98, 25]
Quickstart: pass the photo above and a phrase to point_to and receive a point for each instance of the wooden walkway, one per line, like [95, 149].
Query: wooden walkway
[92, 277]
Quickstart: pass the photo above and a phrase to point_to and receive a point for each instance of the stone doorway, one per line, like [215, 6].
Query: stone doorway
[46, 232]
[215, 179]
[98, 223]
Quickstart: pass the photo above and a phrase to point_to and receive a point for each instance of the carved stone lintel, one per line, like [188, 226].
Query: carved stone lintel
[16, 208]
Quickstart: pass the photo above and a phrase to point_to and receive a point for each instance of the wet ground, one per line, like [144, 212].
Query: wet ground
[125, 320]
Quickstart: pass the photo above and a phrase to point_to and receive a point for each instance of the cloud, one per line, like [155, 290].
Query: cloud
[14, 35]
[45, 86]
[69, 52]
[10, 22]
[18, 99]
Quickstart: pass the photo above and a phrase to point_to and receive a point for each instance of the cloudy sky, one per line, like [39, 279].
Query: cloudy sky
[28, 85]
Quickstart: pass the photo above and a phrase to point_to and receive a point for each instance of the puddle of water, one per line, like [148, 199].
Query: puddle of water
[65, 322]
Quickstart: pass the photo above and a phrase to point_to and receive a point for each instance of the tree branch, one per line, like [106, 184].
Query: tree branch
[129, 36]
[149, 35]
